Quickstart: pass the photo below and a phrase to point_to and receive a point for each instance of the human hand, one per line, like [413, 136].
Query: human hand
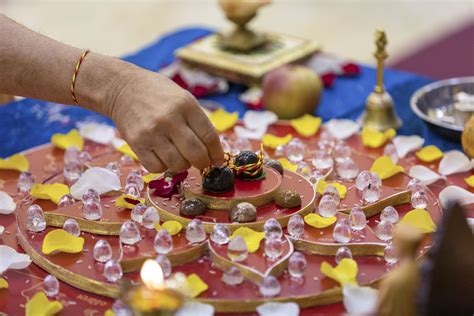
[163, 124]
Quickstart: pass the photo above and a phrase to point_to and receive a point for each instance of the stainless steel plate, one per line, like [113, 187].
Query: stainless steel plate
[434, 104]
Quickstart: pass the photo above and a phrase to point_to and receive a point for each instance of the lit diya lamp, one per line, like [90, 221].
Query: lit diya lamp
[153, 297]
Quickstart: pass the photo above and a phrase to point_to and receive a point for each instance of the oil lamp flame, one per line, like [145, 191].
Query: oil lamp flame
[152, 275]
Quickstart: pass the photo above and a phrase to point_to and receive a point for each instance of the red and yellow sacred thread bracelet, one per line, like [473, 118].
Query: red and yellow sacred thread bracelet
[74, 76]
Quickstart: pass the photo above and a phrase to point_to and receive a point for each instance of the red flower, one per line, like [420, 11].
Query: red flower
[165, 187]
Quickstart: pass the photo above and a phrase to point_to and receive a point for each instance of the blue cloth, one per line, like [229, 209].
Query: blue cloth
[28, 123]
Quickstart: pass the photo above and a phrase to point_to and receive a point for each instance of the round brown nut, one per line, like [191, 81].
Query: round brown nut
[192, 207]
[275, 164]
[288, 199]
[243, 212]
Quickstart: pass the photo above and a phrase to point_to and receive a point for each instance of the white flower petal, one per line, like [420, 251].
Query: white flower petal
[98, 133]
[195, 309]
[12, 259]
[424, 174]
[359, 300]
[406, 144]
[100, 179]
[470, 222]
[342, 128]
[7, 205]
[243, 132]
[118, 142]
[258, 119]
[2, 229]
[453, 192]
[454, 161]
[278, 309]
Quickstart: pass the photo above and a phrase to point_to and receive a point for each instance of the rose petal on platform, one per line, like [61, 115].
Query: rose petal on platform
[317, 221]
[196, 309]
[247, 133]
[278, 309]
[421, 219]
[100, 179]
[344, 273]
[16, 162]
[258, 119]
[272, 141]
[223, 120]
[196, 285]
[150, 177]
[165, 187]
[322, 184]
[59, 240]
[342, 128]
[12, 259]
[173, 227]
[429, 153]
[453, 192]
[128, 201]
[39, 305]
[96, 132]
[3, 284]
[470, 181]
[406, 144]
[126, 150]
[307, 125]
[424, 174]
[53, 192]
[7, 204]
[252, 238]
[385, 167]
[374, 139]
[453, 162]
[286, 164]
[71, 139]
[359, 300]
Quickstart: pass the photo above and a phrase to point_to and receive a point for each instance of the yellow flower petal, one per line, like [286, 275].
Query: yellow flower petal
[318, 221]
[272, 141]
[53, 192]
[64, 141]
[420, 219]
[16, 162]
[385, 168]
[39, 305]
[173, 227]
[109, 312]
[470, 181]
[286, 164]
[150, 177]
[126, 150]
[322, 184]
[345, 272]
[429, 153]
[196, 285]
[252, 238]
[3, 283]
[307, 125]
[374, 139]
[223, 120]
[61, 240]
[122, 202]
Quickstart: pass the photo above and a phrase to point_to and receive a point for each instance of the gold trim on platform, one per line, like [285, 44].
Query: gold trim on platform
[94, 227]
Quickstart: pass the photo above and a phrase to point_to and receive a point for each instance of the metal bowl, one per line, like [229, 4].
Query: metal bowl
[434, 103]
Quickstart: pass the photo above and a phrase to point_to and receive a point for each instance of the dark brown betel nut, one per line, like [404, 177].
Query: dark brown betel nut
[275, 164]
[192, 207]
[219, 180]
[243, 212]
[246, 158]
[288, 199]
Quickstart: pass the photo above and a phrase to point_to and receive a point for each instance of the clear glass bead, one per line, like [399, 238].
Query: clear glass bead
[419, 200]
[165, 264]
[112, 271]
[92, 210]
[137, 212]
[295, 226]
[195, 231]
[332, 191]
[304, 169]
[371, 193]
[390, 254]
[241, 144]
[72, 171]
[342, 232]
[363, 180]
[102, 251]
[71, 154]
[35, 218]
[389, 214]
[129, 233]
[91, 195]
[85, 158]
[326, 142]
[66, 200]
[322, 161]
[295, 151]
[347, 169]
[114, 167]
[415, 185]
[391, 151]
[269, 286]
[376, 180]
[132, 190]
[342, 253]
[72, 226]
[357, 219]
[50, 286]
[297, 265]
[272, 228]
[273, 248]
[384, 231]
[232, 276]
[25, 182]
[220, 234]
[120, 309]
[280, 151]
[150, 217]
[163, 243]
[341, 151]
[327, 206]
[135, 177]
[126, 161]
[237, 249]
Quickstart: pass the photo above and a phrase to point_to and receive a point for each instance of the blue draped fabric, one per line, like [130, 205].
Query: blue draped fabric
[28, 123]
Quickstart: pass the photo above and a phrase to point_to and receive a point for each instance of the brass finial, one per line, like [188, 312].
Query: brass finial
[380, 54]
